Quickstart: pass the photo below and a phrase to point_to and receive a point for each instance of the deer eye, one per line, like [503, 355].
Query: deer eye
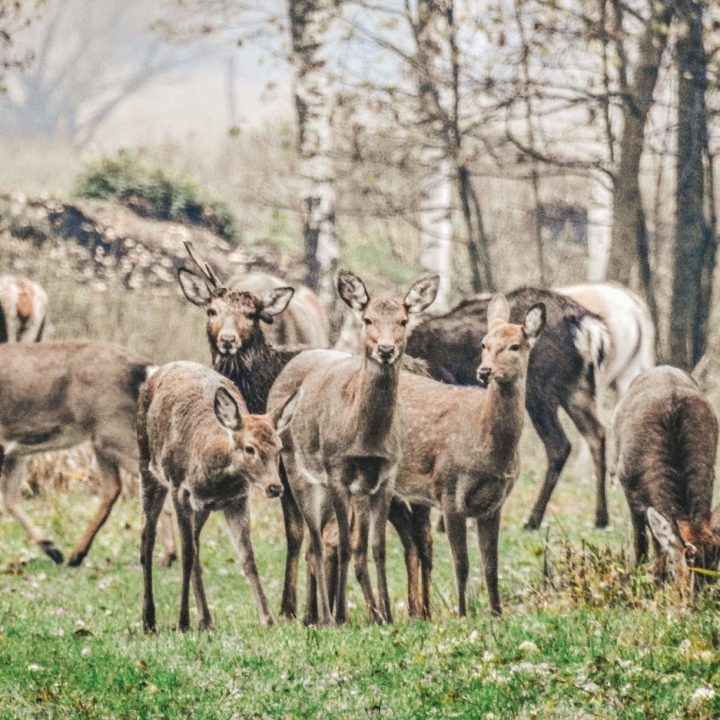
[403, 323]
[212, 312]
[250, 450]
[367, 321]
[515, 347]
[483, 346]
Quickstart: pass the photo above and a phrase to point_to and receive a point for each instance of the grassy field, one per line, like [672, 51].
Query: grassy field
[583, 635]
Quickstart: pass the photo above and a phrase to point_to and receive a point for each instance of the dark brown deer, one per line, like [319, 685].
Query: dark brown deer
[665, 438]
[561, 373]
[197, 441]
[54, 395]
[23, 309]
[341, 446]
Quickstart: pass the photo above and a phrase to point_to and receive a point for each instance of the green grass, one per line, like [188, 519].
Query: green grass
[71, 643]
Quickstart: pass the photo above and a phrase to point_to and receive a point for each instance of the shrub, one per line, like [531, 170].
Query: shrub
[147, 190]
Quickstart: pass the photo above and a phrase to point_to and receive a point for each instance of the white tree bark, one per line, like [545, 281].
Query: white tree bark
[310, 22]
[435, 78]
[599, 233]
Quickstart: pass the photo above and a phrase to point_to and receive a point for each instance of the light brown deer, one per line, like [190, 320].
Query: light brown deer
[23, 309]
[198, 442]
[342, 443]
[58, 394]
[665, 438]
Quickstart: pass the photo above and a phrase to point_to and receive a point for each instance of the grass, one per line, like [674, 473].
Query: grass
[71, 643]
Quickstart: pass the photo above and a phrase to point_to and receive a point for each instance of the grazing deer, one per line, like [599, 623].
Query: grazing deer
[23, 309]
[561, 373]
[665, 438]
[241, 352]
[58, 394]
[342, 443]
[630, 327]
[197, 440]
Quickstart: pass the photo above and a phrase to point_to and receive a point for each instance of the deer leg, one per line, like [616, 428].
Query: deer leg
[167, 531]
[581, 409]
[330, 548]
[110, 487]
[488, 529]
[557, 449]
[317, 568]
[294, 531]
[238, 521]
[205, 620]
[184, 513]
[401, 520]
[639, 537]
[360, 541]
[340, 498]
[153, 498]
[311, 592]
[11, 475]
[422, 528]
[456, 529]
[379, 508]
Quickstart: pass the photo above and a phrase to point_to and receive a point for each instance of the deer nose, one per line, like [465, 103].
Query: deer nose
[273, 490]
[227, 340]
[483, 376]
[386, 351]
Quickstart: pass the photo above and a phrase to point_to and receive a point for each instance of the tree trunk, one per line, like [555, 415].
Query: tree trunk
[599, 227]
[629, 247]
[694, 247]
[310, 22]
[434, 77]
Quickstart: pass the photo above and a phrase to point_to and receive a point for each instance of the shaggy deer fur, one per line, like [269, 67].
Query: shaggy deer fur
[58, 394]
[23, 309]
[197, 441]
[665, 437]
[342, 444]
[561, 373]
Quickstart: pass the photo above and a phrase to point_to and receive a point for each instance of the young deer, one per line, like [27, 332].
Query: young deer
[342, 443]
[23, 309]
[197, 441]
[58, 394]
[460, 448]
[665, 437]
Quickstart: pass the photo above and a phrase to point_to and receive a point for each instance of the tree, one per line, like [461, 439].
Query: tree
[310, 24]
[694, 260]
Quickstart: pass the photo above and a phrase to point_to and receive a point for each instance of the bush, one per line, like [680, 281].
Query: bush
[150, 192]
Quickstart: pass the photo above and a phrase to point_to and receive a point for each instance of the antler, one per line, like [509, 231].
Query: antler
[207, 272]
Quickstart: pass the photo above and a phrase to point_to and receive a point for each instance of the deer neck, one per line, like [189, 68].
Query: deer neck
[501, 420]
[374, 390]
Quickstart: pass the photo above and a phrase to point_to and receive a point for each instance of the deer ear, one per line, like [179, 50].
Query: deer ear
[352, 290]
[194, 287]
[422, 294]
[227, 409]
[534, 323]
[498, 312]
[274, 302]
[662, 530]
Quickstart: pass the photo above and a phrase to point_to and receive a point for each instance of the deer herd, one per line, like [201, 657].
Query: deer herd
[427, 413]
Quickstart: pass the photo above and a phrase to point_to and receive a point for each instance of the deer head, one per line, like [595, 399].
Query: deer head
[385, 321]
[233, 317]
[687, 544]
[506, 347]
[253, 447]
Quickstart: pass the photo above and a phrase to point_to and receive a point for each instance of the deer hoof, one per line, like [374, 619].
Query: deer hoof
[76, 560]
[602, 521]
[168, 559]
[50, 549]
[531, 524]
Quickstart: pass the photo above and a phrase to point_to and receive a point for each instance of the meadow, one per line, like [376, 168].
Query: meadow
[584, 634]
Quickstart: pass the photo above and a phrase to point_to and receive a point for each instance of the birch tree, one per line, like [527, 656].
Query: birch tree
[310, 24]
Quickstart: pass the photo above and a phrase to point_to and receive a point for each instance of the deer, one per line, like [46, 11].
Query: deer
[23, 309]
[198, 442]
[56, 395]
[665, 436]
[341, 430]
[460, 453]
[562, 373]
